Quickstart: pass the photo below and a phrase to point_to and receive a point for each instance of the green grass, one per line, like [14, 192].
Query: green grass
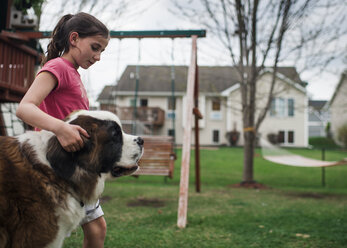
[294, 211]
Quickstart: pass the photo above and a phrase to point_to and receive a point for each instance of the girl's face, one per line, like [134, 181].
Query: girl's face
[84, 52]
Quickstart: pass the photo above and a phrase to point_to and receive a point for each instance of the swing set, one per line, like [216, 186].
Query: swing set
[159, 155]
[192, 108]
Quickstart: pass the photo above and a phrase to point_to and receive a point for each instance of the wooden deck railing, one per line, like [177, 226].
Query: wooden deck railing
[17, 65]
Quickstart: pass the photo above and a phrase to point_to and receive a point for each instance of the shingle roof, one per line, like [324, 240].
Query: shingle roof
[213, 79]
[337, 89]
[317, 104]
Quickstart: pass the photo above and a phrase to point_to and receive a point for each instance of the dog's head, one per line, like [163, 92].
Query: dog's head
[108, 150]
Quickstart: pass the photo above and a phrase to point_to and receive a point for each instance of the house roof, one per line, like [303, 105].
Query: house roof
[317, 104]
[342, 79]
[212, 79]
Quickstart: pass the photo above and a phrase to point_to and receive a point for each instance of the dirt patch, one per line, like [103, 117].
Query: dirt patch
[309, 195]
[146, 202]
[105, 198]
[313, 195]
[249, 185]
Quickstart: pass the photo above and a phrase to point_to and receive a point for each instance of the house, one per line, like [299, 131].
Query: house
[318, 118]
[219, 102]
[19, 58]
[338, 107]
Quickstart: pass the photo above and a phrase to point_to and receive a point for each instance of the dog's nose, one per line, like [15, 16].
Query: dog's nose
[140, 141]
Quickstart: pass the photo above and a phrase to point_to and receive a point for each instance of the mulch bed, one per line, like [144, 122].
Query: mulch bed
[146, 202]
[249, 185]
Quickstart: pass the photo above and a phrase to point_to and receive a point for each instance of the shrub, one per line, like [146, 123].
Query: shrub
[233, 137]
[342, 134]
[328, 130]
[272, 138]
[322, 142]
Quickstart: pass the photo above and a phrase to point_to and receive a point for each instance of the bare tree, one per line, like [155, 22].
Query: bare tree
[260, 34]
[110, 12]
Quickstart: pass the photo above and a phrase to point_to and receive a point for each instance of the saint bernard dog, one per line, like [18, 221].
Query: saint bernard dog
[43, 188]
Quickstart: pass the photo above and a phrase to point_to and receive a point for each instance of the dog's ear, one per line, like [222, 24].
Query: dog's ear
[62, 162]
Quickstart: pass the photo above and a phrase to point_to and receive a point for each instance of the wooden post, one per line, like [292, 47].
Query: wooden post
[197, 140]
[184, 180]
[323, 168]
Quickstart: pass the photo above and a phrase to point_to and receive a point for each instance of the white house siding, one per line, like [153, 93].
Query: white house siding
[338, 108]
[206, 130]
[215, 121]
[230, 113]
[274, 124]
[168, 121]
[297, 123]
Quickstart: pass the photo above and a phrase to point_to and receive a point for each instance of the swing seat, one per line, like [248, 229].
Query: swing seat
[158, 158]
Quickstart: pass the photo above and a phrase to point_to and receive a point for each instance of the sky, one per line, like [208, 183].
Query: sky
[156, 16]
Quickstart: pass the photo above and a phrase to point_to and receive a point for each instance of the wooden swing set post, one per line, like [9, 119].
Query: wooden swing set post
[192, 100]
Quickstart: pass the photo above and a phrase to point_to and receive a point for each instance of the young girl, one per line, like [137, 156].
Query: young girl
[77, 41]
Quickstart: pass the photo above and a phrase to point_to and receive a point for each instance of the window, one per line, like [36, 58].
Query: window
[291, 137]
[273, 107]
[216, 105]
[286, 137]
[216, 113]
[171, 115]
[290, 107]
[143, 102]
[171, 103]
[281, 137]
[132, 102]
[215, 135]
[281, 107]
[171, 132]
[171, 106]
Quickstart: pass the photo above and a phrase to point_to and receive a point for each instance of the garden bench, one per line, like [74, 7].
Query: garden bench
[158, 157]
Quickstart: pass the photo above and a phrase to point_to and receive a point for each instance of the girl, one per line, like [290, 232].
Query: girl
[77, 41]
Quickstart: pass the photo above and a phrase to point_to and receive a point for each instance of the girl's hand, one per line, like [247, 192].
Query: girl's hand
[69, 136]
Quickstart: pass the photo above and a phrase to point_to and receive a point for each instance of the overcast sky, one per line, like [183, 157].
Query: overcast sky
[159, 51]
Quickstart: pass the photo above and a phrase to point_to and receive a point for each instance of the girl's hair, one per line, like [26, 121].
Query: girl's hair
[82, 23]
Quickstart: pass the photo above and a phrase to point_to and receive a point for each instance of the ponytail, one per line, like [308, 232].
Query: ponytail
[59, 41]
[82, 23]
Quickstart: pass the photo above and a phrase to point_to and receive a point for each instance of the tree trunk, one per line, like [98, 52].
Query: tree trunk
[248, 156]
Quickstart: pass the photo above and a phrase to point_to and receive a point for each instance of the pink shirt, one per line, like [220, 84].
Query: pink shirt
[69, 93]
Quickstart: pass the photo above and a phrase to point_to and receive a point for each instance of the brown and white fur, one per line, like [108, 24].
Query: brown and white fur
[43, 188]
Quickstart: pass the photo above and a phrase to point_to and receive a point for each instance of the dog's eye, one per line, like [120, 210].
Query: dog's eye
[115, 131]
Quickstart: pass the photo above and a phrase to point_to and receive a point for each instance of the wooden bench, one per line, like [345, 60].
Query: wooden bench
[158, 157]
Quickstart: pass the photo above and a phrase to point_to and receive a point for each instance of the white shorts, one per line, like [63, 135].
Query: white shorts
[93, 212]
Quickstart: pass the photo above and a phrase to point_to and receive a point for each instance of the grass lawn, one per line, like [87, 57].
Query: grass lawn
[294, 210]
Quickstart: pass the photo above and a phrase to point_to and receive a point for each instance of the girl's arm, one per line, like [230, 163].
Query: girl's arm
[29, 111]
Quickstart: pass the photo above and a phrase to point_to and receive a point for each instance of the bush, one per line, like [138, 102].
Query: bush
[342, 135]
[233, 137]
[328, 130]
[272, 138]
[322, 142]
